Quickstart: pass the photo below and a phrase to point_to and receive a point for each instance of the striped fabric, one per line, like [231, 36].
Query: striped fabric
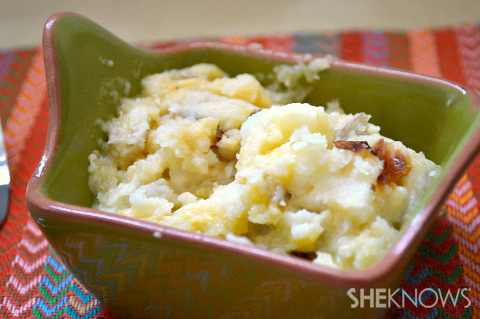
[35, 284]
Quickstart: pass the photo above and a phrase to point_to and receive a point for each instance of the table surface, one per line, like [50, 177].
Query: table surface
[21, 21]
[34, 283]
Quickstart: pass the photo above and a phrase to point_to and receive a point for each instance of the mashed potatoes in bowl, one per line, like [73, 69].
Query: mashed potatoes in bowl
[224, 156]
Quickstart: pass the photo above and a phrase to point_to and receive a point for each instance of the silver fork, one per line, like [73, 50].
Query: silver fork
[4, 178]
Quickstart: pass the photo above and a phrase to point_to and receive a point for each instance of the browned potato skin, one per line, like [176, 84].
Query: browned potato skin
[395, 166]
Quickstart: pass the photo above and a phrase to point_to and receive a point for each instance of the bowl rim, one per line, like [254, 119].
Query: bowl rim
[377, 274]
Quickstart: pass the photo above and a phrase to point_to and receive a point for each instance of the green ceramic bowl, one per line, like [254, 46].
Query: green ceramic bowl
[141, 269]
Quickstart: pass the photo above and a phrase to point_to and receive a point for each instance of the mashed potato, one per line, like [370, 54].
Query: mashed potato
[226, 157]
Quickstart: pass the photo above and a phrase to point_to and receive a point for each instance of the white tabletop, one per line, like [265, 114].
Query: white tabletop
[21, 21]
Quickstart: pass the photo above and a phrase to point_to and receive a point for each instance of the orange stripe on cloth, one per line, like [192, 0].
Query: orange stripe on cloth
[462, 207]
[423, 52]
[25, 110]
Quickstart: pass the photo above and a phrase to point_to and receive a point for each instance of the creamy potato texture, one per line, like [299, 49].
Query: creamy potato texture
[226, 157]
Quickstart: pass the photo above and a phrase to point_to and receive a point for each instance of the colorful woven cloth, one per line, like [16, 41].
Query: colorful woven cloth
[35, 284]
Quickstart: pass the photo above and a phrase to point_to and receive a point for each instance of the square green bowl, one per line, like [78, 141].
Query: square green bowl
[142, 269]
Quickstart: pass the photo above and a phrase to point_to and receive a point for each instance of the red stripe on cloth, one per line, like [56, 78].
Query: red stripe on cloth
[448, 55]
[10, 83]
[351, 46]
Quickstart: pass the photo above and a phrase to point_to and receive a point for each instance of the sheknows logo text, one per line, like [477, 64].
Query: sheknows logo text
[386, 298]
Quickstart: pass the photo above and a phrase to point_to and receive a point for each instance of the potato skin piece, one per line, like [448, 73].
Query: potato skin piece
[354, 146]
[395, 166]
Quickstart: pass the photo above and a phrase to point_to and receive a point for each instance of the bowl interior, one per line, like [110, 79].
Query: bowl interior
[96, 69]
